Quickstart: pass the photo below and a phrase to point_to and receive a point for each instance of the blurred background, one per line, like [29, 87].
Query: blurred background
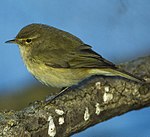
[119, 30]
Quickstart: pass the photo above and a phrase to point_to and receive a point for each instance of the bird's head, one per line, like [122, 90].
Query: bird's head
[30, 35]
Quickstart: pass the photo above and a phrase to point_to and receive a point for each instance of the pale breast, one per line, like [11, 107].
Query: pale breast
[56, 77]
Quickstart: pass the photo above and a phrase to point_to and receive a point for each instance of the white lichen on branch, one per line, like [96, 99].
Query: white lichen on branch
[51, 127]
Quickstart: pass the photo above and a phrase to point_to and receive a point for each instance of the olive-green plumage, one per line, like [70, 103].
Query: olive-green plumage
[60, 59]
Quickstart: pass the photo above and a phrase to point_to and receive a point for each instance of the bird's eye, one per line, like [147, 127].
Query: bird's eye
[28, 41]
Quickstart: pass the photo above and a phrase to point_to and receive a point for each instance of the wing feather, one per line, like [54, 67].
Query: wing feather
[80, 57]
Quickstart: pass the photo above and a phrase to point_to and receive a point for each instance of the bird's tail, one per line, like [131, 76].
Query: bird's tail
[116, 72]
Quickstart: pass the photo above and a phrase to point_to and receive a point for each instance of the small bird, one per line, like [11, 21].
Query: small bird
[60, 59]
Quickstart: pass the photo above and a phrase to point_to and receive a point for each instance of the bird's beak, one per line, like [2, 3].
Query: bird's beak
[11, 41]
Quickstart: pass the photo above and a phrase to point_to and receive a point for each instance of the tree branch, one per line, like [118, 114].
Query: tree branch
[96, 100]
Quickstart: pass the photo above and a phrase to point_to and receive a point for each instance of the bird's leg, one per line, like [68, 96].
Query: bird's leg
[51, 98]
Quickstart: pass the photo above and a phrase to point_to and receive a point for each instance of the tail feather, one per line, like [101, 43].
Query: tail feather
[117, 72]
[128, 76]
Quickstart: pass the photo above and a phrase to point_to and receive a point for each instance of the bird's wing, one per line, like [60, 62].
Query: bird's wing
[80, 57]
[87, 58]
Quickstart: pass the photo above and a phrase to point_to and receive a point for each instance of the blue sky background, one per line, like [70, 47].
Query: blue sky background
[119, 30]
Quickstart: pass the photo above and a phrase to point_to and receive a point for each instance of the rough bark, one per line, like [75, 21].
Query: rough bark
[97, 99]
